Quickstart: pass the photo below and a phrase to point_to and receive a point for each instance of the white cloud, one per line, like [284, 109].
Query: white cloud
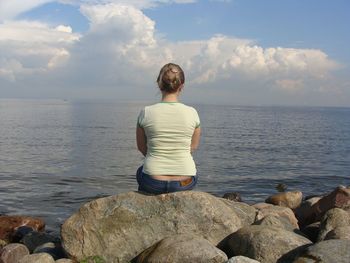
[121, 49]
[11, 8]
[32, 47]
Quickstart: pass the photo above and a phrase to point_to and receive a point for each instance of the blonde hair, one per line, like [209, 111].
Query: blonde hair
[170, 78]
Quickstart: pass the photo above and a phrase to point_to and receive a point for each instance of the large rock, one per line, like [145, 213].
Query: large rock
[263, 243]
[37, 258]
[286, 199]
[265, 209]
[12, 253]
[183, 248]
[242, 259]
[120, 227]
[339, 198]
[304, 212]
[341, 232]
[335, 217]
[329, 251]
[276, 221]
[9, 225]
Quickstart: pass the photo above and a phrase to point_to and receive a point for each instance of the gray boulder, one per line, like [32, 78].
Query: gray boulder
[265, 209]
[263, 243]
[241, 259]
[335, 217]
[341, 232]
[12, 253]
[183, 248]
[64, 260]
[276, 221]
[329, 251]
[120, 227]
[37, 258]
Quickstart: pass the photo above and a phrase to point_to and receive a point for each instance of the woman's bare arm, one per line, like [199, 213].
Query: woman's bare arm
[195, 139]
[141, 140]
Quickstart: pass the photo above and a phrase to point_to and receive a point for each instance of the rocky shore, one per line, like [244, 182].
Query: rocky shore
[188, 227]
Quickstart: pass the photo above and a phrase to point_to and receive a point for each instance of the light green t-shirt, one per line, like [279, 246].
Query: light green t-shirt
[169, 128]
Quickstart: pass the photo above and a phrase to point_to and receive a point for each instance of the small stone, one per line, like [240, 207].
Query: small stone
[286, 199]
[12, 253]
[233, 196]
[9, 225]
[54, 249]
[184, 248]
[37, 258]
[242, 259]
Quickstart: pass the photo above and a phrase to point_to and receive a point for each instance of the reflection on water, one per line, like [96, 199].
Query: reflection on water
[57, 155]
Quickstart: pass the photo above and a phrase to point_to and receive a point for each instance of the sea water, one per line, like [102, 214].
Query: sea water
[56, 155]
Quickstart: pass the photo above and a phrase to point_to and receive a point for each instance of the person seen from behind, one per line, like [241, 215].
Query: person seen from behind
[167, 134]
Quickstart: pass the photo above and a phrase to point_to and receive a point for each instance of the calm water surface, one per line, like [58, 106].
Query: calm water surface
[57, 155]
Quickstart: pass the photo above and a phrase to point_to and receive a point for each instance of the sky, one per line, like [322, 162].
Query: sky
[240, 52]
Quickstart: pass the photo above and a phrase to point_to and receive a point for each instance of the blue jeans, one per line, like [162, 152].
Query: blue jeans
[153, 186]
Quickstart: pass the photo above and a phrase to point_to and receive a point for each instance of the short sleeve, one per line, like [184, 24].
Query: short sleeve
[140, 118]
[196, 119]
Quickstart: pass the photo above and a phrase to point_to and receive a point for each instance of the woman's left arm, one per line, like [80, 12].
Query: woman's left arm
[141, 140]
[195, 139]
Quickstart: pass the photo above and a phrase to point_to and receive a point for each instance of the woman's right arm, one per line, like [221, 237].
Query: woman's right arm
[141, 140]
[195, 139]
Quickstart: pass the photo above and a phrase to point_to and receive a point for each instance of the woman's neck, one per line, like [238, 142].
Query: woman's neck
[170, 97]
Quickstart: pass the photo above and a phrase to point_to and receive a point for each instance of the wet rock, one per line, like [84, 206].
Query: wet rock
[12, 253]
[341, 232]
[35, 239]
[241, 259]
[9, 224]
[287, 199]
[120, 227]
[262, 243]
[54, 249]
[339, 198]
[37, 258]
[233, 197]
[265, 209]
[182, 248]
[20, 233]
[335, 217]
[329, 251]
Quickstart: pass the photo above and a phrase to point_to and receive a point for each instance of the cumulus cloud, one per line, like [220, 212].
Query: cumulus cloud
[121, 49]
[31, 47]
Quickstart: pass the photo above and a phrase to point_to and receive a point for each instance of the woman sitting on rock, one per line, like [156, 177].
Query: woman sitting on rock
[167, 133]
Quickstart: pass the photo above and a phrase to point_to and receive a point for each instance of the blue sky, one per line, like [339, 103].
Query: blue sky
[254, 52]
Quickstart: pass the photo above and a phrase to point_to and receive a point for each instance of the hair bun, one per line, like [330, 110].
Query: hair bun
[170, 78]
